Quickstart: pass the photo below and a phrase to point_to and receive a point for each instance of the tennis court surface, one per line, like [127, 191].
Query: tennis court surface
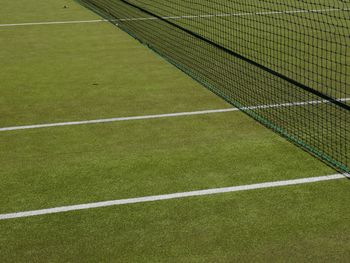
[108, 152]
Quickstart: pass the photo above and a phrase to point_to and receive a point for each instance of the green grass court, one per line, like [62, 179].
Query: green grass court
[87, 71]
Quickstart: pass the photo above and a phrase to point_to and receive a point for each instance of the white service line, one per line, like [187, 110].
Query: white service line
[182, 17]
[170, 196]
[238, 14]
[37, 126]
[55, 23]
[167, 115]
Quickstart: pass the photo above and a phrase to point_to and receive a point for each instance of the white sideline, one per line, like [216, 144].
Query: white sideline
[181, 17]
[169, 196]
[238, 14]
[55, 23]
[168, 115]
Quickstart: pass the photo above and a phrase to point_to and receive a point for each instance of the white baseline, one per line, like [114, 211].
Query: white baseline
[167, 115]
[182, 17]
[170, 196]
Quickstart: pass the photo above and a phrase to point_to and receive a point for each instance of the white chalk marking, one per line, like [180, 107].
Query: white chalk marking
[167, 115]
[238, 14]
[169, 196]
[180, 17]
[54, 23]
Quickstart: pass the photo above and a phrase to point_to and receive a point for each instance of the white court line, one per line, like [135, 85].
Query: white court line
[170, 196]
[238, 14]
[181, 17]
[54, 23]
[168, 115]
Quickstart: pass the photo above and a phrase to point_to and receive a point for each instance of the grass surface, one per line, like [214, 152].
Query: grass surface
[41, 11]
[100, 162]
[294, 224]
[89, 71]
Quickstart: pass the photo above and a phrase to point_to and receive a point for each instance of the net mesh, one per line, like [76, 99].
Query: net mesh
[285, 63]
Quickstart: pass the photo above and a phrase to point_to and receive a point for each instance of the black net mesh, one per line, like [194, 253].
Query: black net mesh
[285, 63]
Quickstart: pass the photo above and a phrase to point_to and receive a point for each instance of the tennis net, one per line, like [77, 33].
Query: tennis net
[284, 63]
